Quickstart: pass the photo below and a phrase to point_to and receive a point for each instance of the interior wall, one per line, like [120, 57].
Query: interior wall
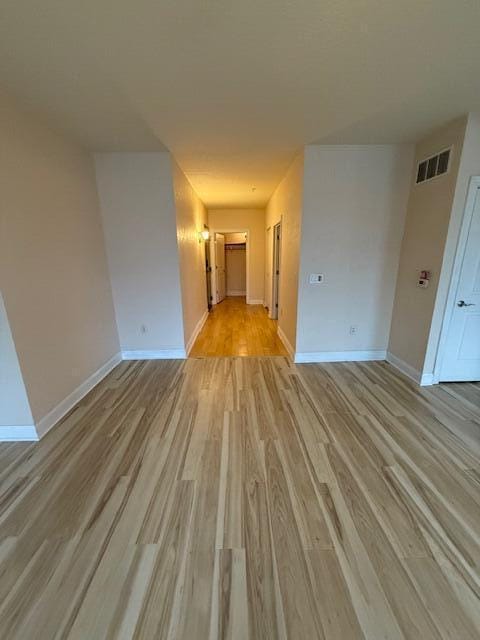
[53, 269]
[191, 218]
[138, 211]
[285, 205]
[236, 271]
[253, 221]
[354, 206]
[14, 405]
[428, 216]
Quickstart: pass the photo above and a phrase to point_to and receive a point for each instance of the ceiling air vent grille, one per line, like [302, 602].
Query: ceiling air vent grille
[433, 166]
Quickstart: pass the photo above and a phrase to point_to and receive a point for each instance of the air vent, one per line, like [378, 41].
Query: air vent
[434, 166]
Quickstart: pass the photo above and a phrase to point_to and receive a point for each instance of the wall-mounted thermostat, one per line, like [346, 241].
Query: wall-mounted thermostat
[316, 278]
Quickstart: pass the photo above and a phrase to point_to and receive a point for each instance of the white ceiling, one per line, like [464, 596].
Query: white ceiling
[234, 89]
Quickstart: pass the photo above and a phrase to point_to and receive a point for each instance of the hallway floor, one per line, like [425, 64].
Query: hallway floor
[235, 328]
[248, 499]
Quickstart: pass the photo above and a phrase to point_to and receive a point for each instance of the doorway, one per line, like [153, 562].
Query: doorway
[220, 276]
[459, 350]
[229, 263]
[236, 264]
[208, 267]
[277, 241]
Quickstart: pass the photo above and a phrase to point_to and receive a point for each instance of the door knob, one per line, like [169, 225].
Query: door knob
[462, 303]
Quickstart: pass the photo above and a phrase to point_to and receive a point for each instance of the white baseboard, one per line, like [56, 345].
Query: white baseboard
[424, 380]
[339, 356]
[196, 331]
[236, 293]
[254, 301]
[17, 434]
[286, 343]
[159, 354]
[57, 413]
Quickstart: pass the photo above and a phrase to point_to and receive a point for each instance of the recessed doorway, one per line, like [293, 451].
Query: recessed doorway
[277, 243]
[229, 261]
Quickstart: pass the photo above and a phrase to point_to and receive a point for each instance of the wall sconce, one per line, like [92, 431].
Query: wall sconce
[203, 235]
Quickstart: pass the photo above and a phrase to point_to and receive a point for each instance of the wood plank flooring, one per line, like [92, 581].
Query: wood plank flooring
[247, 498]
[235, 328]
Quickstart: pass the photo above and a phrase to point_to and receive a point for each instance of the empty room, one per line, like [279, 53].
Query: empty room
[240, 320]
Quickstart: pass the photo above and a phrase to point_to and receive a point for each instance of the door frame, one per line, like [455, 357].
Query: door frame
[208, 267]
[473, 187]
[223, 230]
[276, 254]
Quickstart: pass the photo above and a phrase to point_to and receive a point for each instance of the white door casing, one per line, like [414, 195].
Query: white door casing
[220, 266]
[277, 239]
[268, 269]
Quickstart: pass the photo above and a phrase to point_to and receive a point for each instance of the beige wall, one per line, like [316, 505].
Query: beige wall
[286, 205]
[354, 206]
[428, 217]
[236, 271]
[14, 405]
[138, 210]
[253, 221]
[191, 216]
[53, 270]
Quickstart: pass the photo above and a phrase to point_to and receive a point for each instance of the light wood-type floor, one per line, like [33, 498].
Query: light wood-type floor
[234, 328]
[247, 498]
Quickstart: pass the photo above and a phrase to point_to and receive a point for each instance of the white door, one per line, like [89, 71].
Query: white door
[461, 355]
[220, 265]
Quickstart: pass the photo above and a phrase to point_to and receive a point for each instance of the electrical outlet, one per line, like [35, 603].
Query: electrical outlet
[353, 329]
[143, 329]
[316, 278]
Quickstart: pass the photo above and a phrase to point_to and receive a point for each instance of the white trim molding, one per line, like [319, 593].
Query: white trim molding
[157, 354]
[254, 301]
[422, 379]
[196, 331]
[224, 230]
[58, 412]
[339, 356]
[427, 380]
[286, 343]
[235, 292]
[26, 433]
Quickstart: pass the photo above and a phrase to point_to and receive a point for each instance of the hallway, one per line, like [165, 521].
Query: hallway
[235, 328]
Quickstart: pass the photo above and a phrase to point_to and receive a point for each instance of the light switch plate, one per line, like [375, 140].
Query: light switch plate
[316, 278]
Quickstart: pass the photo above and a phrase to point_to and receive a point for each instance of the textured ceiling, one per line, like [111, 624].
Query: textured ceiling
[234, 89]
